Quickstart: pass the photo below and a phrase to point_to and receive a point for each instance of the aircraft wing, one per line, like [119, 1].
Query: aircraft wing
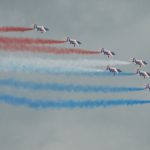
[43, 29]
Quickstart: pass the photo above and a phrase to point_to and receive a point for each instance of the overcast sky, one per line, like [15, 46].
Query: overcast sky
[120, 25]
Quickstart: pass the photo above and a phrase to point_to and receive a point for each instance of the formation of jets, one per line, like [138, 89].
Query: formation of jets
[43, 29]
[142, 73]
[106, 52]
[139, 62]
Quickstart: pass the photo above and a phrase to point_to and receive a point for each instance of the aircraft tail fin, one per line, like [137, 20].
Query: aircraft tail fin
[145, 62]
[113, 53]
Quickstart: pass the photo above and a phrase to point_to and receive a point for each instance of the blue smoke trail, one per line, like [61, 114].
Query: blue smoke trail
[66, 87]
[43, 104]
[103, 74]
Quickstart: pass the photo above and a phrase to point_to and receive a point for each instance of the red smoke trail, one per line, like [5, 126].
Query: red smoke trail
[45, 49]
[14, 40]
[14, 29]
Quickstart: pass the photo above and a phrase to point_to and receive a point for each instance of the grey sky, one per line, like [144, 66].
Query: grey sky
[120, 25]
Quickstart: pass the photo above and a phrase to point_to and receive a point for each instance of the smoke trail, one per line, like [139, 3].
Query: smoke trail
[54, 69]
[88, 67]
[43, 104]
[66, 87]
[45, 67]
[67, 71]
[14, 40]
[45, 49]
[23, 60]
[14, 29]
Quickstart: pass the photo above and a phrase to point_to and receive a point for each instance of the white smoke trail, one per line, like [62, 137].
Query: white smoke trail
[10, 63]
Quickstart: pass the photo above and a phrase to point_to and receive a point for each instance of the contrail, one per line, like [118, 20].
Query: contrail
[15, 40]
[71, 103]
[14, 29]
[45, 49]
[66, 87]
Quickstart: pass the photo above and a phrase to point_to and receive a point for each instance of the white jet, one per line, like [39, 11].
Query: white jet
[139, 62]
[113, 69]
[107, 52]
[40, 28]
[143, 73]
[73, 41]
[147, 87]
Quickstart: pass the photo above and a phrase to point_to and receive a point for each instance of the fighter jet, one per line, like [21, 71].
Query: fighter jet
[107, 52]
[73, 41]
[143, 73]
[40, 28]
[139, 62]
[113, 69]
